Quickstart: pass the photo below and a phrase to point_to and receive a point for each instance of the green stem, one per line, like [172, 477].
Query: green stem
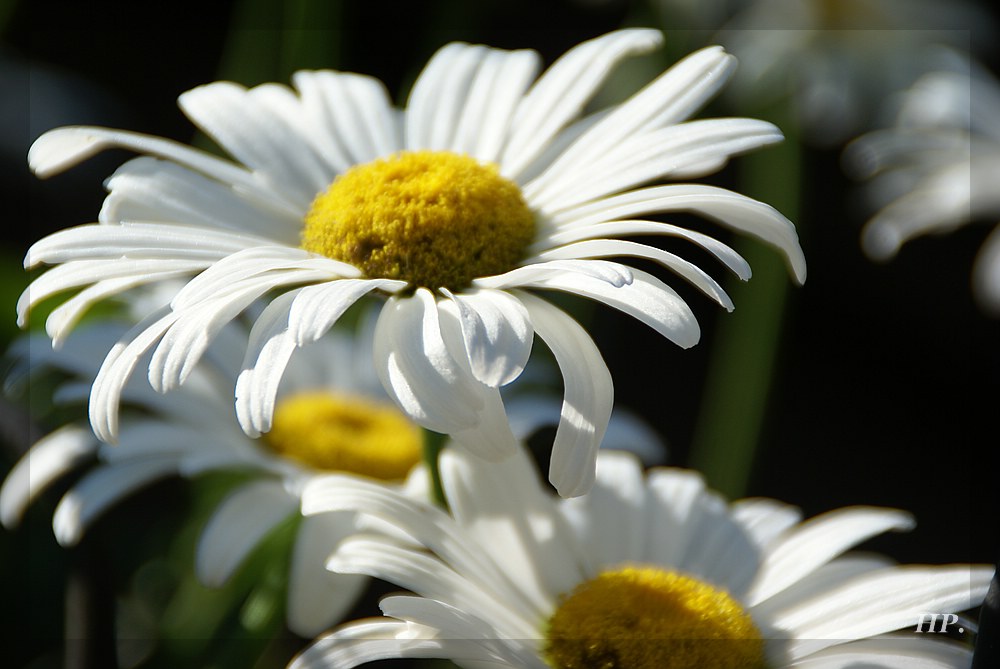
[433, 445]
[727, 436]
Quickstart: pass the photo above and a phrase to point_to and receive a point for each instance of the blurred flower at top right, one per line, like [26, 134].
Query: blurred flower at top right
[936, 169]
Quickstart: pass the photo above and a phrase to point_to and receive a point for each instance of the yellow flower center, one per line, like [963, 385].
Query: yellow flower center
[431, 218]
[641, 617]
[345, 433]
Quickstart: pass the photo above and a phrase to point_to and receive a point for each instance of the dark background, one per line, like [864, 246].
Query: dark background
[887, 376]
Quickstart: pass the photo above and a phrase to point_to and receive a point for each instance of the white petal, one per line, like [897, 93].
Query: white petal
[101, 488]
[818, 541]
[508, 515]
[765, 519]
[572, 233]
[49, 459]
[149, 189]
[349, 115]
[891, 653]
[588, 399]
[890, 599]
[253, 130]
[84, 272]
[731, 209]
[602, 248]
[238, 524]
[316, 308]
[614, 274]
[439, 94]
[497, 334]
[562, 91]
[62, 148]
[118, 366]
[684, 151]
[646, 298]
[610, 520]
[428, 577]
[318, 598]
[500, 83]
[416, 369]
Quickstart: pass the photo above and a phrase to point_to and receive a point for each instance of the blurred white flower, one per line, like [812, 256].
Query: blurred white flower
[937, 169]
[488, 186]
[644, 572]
[332, 415]
[835, 60]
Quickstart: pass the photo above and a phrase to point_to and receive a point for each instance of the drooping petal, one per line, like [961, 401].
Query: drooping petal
[588, 399]
[49, 458]
[237, 526]
[731, 209]
[417, 370]
[101, 488]
[496, 332]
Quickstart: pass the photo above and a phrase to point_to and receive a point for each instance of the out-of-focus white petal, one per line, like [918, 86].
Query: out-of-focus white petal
[50, 458]
[588, 398]
[888, 652]
[238, 524]
[818, 541]
[317, 598]
[100, 489]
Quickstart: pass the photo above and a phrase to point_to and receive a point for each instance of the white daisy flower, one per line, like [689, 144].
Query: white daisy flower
[836, 59]
[331, 415]
[643, 572]
[937, 169]
[489, 185]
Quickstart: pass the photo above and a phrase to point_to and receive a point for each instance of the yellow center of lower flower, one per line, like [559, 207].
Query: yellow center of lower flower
[431, 218]
[641, 617]
[345, 433]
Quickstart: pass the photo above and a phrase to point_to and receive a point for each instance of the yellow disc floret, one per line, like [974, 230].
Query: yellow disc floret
[345, 433]
[431, 218]
[641, 617]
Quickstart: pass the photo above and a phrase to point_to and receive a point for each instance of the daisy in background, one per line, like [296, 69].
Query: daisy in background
[645, 572]
[937, 169]
[489, 185]
[836, 60]
[331, 415]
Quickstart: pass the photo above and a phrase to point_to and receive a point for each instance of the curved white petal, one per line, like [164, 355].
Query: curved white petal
[416, 369]
[100, 489]
[151, 189]
[238, 524]
[722, 252]
[614, 274]
[730, 209]
[117, 368]
[562, 91]
[602, 248]
[818, 541]
[883, 601]
[428, 577]
[765, 519]
[496, 332]
[588, 398]
[252, 129]
[49, 458]
[646, 298]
